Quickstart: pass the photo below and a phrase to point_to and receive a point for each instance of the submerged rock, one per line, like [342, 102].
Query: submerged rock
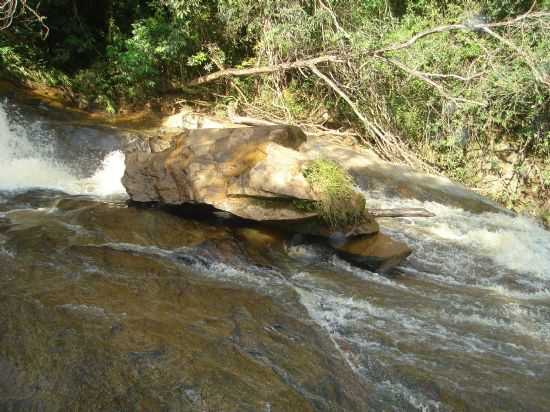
[377, 252]
[315, 227]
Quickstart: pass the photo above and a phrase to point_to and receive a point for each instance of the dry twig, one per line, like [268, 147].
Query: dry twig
[264, 69]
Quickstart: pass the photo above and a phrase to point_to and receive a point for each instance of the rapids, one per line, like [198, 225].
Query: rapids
[106, 306]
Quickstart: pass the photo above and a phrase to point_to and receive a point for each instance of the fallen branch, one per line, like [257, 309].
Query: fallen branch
[425, 78]
[264, 69]
[382, 138]
[405, 212]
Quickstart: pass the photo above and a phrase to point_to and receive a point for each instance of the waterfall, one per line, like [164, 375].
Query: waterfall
[27, 158]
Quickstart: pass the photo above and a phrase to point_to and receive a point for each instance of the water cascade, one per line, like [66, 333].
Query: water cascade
[145, 307]
[27, 152]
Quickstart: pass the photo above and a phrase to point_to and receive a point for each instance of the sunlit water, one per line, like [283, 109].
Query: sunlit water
[465, 325]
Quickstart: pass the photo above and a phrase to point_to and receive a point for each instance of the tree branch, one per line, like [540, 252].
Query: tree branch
[537, 74]
[264, 69]
[39, 19]
[384, 140]
[8, 10]
[461, 26]
[334, 19]
[485, 27]
[424, 77]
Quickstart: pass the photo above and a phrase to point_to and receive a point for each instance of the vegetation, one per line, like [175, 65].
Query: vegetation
[339, 205]
[458, 87]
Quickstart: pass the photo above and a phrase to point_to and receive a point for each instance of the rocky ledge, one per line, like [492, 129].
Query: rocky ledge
[255, 173]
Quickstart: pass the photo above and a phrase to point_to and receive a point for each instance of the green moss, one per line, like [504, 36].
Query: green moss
[339, 205]
[308, 206]
[545, 216]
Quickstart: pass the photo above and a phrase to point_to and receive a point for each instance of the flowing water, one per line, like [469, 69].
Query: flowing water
[110, 306]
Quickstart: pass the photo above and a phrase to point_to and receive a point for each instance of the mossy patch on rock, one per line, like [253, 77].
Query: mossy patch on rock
[339, 205]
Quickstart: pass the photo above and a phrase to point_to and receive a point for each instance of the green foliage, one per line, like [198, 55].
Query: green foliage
[339, 205]
[116, 52]
[21, 61]
[504, 101]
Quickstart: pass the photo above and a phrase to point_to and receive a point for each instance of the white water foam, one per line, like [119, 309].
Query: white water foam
[27, 162]
[107, 179]
[516, 243]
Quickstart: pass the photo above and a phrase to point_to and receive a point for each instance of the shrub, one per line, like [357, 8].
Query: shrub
[339, 205]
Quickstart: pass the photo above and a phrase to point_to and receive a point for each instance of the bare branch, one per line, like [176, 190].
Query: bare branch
[452, 76]
[334, 19]
[415, 38]
[40, 19]
[391, 143]
[264, 69]
[461, 26]
[368, 125]
[540, 77]
[9, 8]
[422, 76]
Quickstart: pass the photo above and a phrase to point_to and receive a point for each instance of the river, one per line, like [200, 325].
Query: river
[105, 305]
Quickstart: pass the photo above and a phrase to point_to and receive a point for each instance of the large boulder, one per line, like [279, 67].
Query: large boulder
[254, 173]
[251, 172]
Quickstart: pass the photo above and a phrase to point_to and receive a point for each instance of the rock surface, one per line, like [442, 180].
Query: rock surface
[152, 312]
[253, 173]
[377, 252]
[249, 172]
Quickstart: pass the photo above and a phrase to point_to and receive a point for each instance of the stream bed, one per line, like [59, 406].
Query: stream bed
[108, 306]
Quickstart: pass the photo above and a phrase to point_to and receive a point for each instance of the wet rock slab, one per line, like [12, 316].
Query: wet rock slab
[96, 312]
